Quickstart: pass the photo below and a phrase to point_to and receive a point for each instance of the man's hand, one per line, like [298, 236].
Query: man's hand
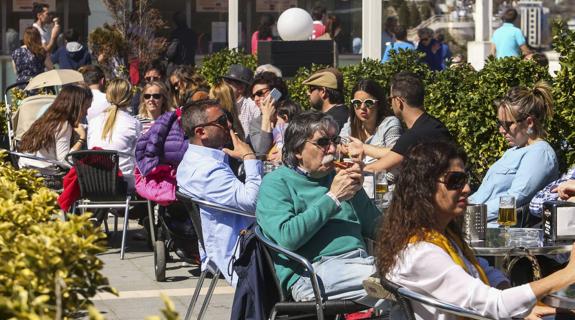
[347, 183]
[355, 149]
[241, 151]
[539, 312]
[566, 189]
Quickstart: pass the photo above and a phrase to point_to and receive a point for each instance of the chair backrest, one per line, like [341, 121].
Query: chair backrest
[194, 214]
[405, 296]
[270, 262]
[97, 172]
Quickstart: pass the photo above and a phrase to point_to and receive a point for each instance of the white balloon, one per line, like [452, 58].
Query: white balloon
[295, 24]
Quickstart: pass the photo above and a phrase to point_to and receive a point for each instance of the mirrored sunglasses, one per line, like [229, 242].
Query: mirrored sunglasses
[369, 103]
[455, 180]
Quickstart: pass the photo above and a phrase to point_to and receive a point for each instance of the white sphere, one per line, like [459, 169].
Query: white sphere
[295, 24]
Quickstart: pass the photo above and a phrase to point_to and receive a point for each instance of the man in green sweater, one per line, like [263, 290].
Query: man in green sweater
[308, 208]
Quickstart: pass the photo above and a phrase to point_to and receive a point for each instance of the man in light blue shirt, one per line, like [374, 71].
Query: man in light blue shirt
[204, 173]
[400, 44]
[508, 41]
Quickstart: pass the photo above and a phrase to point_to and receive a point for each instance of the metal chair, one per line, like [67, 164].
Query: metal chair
[97, 172]
[191, 205]
[404, 297]
[320, 307]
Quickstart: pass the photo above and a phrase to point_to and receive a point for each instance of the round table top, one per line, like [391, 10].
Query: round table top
[564, 298]
[494, 246]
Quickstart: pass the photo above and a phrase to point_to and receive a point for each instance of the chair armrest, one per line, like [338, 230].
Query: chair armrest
[447, 307]
[60, 164]
[297, 258]
[220, 207]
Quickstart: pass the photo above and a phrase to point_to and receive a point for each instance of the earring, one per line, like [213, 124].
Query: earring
[530, 131]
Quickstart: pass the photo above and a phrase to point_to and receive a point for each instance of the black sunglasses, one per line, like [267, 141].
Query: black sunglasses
[221, 121]
[260, 93]
[455, 180]
[369, 103]
[313, 88]
[325, 142]
[148, 96]
[506, 125]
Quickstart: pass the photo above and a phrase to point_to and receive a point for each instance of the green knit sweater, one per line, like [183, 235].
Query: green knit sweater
[294, 211]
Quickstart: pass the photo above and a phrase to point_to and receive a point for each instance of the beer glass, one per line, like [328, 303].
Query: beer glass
[342, 160]
[381, 189]
[507, 212]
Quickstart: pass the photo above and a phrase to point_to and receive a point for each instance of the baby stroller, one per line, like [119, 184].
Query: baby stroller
[174, 233]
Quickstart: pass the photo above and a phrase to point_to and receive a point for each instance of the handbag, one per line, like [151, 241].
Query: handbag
[158, 186]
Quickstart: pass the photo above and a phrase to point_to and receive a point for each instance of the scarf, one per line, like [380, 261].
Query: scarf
[442, 241]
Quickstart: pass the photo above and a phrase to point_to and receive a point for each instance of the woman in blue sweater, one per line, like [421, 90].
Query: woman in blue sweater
[530, 164]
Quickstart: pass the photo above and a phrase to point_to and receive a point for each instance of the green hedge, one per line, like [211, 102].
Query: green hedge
[49, 267]
[217, 64]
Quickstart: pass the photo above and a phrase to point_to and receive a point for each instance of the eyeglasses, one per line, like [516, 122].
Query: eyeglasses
[260, 93]
[325, 142]
[156, 96]
[151, 78]
[506, 125]
[455, 180]
[369, 103]
[221, 121]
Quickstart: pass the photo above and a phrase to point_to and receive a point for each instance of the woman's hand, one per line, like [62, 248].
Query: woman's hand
[268, 107]
[80, 131]
[539, 312]
[565, 189]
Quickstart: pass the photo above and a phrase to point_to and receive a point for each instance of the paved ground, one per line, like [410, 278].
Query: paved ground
[139, 292]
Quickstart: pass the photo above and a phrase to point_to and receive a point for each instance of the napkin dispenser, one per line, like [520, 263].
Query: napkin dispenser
[559, 220]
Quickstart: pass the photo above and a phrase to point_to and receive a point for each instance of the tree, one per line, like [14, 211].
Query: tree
[414, 16]
[425, 11]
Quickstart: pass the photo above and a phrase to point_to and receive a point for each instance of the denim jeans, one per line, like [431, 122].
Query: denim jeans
[340, 277]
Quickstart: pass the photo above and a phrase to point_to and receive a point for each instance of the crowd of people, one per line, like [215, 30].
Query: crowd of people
[210, 142]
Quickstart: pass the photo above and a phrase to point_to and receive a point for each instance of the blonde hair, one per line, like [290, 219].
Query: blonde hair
[167, 102]
[536, 103]
[119, 94]
[225, 95]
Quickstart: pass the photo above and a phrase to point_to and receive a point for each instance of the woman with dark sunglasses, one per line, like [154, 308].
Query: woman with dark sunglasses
[530, 164]
[426, 252]
[371, 120]
[155, 100]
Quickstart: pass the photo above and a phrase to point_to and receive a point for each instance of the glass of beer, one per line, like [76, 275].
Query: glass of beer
[381, 189]
[507, 212]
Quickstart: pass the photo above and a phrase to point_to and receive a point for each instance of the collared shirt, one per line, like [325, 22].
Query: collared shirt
[520, 172]
[247, 111]
[204, 173]
[99, 104]
[507, 40]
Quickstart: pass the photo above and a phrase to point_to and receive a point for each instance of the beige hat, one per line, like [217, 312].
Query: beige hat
[328, 78]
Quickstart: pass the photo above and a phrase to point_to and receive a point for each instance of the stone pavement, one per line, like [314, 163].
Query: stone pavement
[139, 292]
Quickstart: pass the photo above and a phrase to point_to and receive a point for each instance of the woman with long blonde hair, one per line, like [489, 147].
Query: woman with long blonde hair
[116, 129]
[30, 59]
[155, 100]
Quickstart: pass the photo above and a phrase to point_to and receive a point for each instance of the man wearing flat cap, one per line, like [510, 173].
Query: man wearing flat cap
[239, 78]
[326, 94]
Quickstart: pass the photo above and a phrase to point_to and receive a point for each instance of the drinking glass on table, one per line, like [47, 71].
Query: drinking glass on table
[507, 212]
[381, 190]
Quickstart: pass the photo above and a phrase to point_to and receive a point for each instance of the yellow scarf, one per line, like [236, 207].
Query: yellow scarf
[442, 241]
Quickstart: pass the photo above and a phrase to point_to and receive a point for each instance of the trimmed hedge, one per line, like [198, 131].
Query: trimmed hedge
[49, 267]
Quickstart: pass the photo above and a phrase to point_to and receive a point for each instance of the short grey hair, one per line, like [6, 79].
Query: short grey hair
[301, 128]
[194, 114]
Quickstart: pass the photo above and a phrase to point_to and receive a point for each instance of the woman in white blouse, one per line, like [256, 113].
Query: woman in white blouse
[116, 129]
[421, 247]
[50, 137]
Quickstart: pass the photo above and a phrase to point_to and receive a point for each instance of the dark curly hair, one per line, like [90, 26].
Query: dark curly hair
[412, 208]
[272, 81]
[383, 110]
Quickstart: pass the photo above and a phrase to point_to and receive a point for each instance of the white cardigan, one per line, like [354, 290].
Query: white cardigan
[426, 268]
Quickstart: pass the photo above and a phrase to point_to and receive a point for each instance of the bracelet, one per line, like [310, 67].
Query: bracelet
[82, 141]
[248, 154]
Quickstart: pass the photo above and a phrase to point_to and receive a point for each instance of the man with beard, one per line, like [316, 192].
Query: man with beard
[204, 173]
[326, 94]
[308, 208]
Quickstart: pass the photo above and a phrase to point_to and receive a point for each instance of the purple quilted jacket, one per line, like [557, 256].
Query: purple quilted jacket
[163, 143]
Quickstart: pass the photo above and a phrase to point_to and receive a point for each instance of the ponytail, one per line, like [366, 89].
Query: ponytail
[119, 94]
